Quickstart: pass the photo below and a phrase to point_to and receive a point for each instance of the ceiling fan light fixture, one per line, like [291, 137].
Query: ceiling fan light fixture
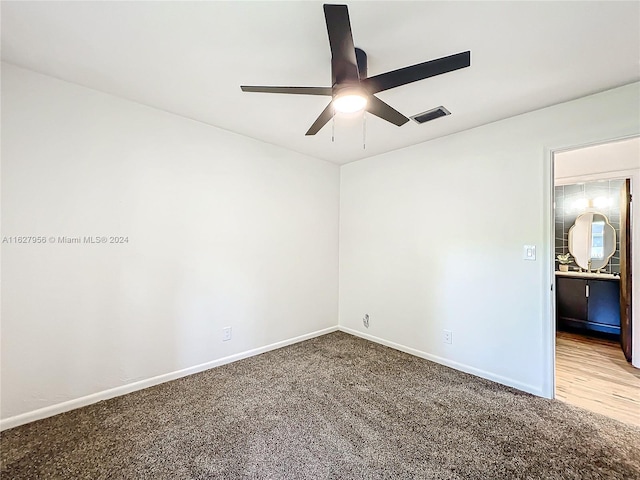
[352, 90]
[349, 102]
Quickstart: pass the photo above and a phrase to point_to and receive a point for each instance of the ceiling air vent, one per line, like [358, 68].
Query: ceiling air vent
[431, 114]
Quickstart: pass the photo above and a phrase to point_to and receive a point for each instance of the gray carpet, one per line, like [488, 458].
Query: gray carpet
[334, 407]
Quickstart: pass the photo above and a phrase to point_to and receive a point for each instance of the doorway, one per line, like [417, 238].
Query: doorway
[594, 259]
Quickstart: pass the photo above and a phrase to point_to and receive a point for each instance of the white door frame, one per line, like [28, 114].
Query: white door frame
[550, 329]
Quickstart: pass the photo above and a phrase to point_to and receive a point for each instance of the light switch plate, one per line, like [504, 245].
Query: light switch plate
[529, 252]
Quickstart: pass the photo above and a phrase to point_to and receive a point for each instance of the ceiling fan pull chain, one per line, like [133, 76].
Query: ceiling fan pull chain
[333, 126]
[364, 130]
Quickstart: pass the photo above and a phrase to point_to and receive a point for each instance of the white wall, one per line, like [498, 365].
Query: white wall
[615, 156]
[431, 238]
[619, 159]
[227, 231]
[223, 231]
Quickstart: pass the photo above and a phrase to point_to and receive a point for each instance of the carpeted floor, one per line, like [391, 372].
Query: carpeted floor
[335, 407]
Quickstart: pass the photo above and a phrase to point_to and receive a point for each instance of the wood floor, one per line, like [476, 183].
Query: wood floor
[592, 373]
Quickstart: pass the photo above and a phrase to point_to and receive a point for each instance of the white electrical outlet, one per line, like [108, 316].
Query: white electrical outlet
[365, 320]
[447, 336]
[226, 334]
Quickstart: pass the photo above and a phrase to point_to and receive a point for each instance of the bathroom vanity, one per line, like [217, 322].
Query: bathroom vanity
[588, 301]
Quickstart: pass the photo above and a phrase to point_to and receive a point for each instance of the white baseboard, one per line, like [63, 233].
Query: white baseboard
[449, 363]
[149, 382]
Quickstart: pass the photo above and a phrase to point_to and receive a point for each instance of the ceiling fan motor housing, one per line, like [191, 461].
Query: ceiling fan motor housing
[361, 58]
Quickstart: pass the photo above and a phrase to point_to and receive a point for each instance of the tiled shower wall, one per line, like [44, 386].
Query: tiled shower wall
[567, 196]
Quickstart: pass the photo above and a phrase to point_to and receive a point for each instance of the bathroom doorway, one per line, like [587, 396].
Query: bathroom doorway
[594, 259]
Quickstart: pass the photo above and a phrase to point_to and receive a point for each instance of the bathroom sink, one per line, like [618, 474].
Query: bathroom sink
[602, 276]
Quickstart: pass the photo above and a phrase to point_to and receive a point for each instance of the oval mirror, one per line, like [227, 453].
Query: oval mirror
[592, 241]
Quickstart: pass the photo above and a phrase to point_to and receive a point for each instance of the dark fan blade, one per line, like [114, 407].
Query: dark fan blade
[344, 67]
[290, 90]
[320, 122]
[385, 112]
[385, 81]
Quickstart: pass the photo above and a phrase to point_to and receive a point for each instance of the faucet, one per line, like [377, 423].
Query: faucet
[589, 266]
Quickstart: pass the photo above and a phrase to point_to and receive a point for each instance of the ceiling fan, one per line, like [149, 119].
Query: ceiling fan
[351, 90]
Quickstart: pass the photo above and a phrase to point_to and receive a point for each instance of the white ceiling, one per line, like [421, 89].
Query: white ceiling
[190, 58]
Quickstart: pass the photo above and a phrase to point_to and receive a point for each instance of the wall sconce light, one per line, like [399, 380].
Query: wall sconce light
[582, 204]
[602, 202]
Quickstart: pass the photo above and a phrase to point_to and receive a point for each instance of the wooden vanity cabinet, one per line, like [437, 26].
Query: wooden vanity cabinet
[588, 304]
